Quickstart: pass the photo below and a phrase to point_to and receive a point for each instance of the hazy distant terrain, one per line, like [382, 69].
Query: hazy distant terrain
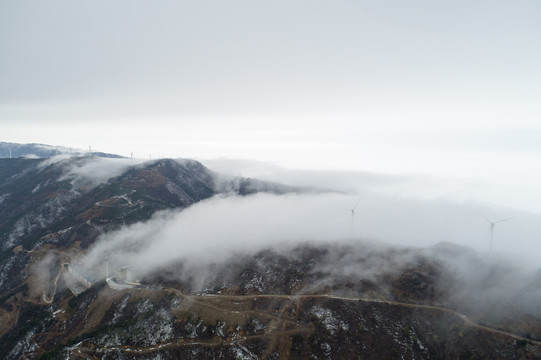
[14, 150]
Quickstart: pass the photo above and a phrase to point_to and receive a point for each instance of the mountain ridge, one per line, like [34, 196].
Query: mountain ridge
[35, 150]
[298, 300]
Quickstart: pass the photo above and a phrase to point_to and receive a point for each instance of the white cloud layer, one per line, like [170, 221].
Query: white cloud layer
[89, 172]
[215, 229]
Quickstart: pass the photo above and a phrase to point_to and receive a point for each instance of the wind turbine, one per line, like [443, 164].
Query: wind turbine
[492, 226]
[9, 152]
[353, 216]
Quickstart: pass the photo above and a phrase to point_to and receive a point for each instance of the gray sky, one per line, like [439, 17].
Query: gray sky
[448, 89]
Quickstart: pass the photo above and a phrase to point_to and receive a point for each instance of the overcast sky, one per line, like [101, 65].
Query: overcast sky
[447, 89]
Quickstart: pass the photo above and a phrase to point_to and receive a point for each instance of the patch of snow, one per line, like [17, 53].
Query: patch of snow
[175, 303]
[176, 190]
[327, 350]
[126, 198]
[120, 310]
[193, 329]
[144, 307]
[220, 329]
[150, 329]
[160, 330]
[242, 353]
[258, 325]
[39, 218]
[5, 268]
[36, 189]
[420, 344]
[256, 283]
[331, 322]
[3, 197]
[24, 346]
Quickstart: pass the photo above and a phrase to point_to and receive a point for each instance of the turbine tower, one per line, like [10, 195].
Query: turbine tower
[492, 225]
[9, 152]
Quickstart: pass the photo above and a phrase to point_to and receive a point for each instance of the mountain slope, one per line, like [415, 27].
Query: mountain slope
[72, 201]
[301, 300]
[265, 305]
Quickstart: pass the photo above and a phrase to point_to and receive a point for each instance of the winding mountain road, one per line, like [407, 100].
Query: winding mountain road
[368, 300]
[82, 350]
[200, 298]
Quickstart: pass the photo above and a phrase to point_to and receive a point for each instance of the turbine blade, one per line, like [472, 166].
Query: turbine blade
[481, 215]
[356, 204]
[499, 221]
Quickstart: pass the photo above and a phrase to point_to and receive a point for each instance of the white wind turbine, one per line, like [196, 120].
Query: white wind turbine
[353, 217]
[492, 225]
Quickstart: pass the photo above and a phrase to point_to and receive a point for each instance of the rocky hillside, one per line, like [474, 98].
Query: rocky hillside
[298, 304]
[69, 203]
[300, 301]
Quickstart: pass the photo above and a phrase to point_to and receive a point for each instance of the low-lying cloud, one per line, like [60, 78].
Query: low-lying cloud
[188, 243]
[215, 229]
[87, 173]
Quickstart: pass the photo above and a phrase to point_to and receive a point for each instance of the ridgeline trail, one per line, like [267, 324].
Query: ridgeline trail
[368, 300]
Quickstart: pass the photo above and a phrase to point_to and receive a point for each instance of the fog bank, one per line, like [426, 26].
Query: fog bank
[215, 229]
